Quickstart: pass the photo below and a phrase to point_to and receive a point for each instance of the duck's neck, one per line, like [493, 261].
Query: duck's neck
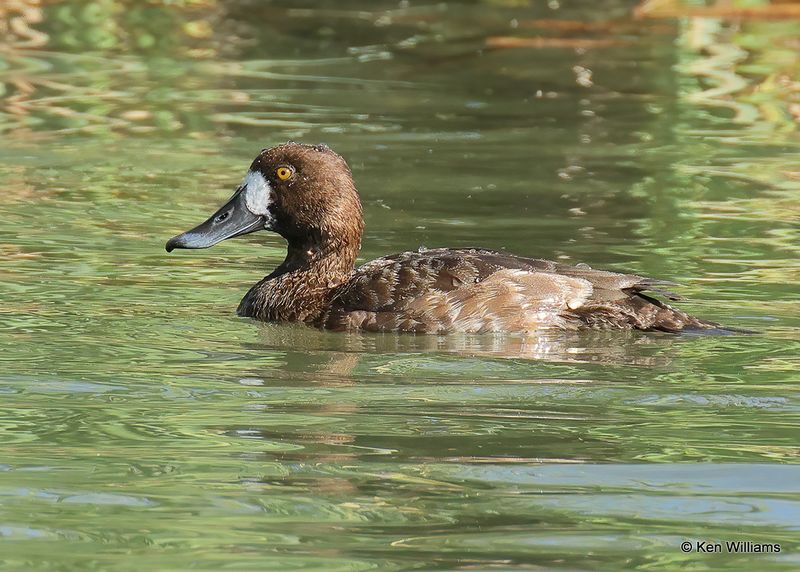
[300, 288]
[328, 261]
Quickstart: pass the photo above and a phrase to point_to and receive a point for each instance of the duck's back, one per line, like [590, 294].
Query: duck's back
[476, 290]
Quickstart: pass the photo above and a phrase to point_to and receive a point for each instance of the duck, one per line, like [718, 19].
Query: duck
[306, 194]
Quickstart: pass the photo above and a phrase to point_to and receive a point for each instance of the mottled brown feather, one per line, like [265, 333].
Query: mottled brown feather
[477, 290]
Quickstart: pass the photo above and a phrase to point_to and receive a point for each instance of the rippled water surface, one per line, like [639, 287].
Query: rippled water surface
[145, 427]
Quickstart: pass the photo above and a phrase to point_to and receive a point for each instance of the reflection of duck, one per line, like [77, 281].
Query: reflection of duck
[333, 357]
[306, 194]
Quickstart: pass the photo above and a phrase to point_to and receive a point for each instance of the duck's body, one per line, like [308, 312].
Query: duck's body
[463, 290]
[316, 208]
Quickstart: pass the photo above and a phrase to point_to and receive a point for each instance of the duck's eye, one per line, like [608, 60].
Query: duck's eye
[283, 173]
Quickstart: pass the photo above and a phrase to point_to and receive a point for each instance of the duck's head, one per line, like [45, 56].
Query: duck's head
[305, 193]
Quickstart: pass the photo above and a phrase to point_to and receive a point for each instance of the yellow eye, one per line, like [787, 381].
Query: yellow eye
[283, 173]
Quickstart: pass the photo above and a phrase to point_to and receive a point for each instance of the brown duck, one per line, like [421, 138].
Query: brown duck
[306, 194]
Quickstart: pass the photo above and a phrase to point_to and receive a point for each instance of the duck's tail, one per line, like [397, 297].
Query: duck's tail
[646, 313]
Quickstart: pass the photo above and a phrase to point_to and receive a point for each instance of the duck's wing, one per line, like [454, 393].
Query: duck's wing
[477, 290]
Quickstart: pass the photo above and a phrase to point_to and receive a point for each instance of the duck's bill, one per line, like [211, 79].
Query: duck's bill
[233, 219]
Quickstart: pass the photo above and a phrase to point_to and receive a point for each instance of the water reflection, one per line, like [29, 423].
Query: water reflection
[72, 67]
[603, 347]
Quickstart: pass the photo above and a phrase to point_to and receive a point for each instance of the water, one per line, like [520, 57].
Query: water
[145, 426]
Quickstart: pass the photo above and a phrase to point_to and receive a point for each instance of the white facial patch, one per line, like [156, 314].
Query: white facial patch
[257, 194]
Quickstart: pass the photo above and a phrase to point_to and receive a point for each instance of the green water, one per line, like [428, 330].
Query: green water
[145, 427]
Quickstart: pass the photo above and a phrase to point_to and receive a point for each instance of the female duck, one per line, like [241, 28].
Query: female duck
[306, 194]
